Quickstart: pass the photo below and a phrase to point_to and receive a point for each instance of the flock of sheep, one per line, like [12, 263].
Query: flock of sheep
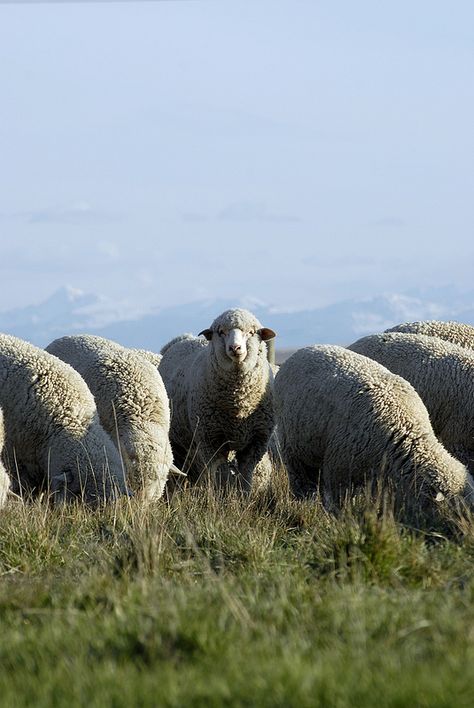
[89, 419]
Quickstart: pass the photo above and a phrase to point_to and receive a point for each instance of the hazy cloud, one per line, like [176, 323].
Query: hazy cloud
[109, 249]
[78, 213]
[352, 260]
[254, 211]
[194, 217]
[389, 222]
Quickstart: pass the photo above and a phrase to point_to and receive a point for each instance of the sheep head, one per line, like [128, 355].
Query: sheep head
[237, 336]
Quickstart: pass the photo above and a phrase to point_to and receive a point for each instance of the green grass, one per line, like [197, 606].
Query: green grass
[210, 602]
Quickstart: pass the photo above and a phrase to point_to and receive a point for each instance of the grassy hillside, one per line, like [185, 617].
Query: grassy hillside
[212, 602]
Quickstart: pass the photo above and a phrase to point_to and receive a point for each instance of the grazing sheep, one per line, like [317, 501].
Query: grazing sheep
[342, 417]
[53, 436]
[454, 332]
[221, 394]
[152, 357]
[175, 340]
[443, 375]
[132, 403]
[4, 478]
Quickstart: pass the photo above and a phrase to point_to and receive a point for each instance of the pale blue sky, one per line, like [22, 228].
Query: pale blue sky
[296, 151]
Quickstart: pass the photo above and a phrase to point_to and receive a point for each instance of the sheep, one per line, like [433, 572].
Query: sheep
[221, 393]
[342, 417]
[175, 340]
[132, 404]
[443, 375]
[152, 357]
[53, 437]
[4, 478]
[454, 332]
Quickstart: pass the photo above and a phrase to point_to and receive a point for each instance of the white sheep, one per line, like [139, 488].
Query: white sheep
[221, 393]
[4, 478]
[53, 437]
[443, 375]
[180, 338]
[132, 403]
[152, 357]
[342, 418]
[454, 332]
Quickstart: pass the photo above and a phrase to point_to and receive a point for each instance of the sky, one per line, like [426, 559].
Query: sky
[298, 152]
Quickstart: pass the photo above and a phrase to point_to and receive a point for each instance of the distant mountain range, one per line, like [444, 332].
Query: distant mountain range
[70, 311]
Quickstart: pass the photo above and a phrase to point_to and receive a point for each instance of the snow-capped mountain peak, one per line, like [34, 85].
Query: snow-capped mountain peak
[69, 310]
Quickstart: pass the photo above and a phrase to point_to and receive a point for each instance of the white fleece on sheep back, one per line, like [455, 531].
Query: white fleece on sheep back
[454, 332]
[52, 430]
[222, 404]
[342, 417]
[443, 375]
[4, 478]
[152, 357]
[132, 403]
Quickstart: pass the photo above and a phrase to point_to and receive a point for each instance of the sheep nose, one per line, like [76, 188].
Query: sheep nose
[235, 348]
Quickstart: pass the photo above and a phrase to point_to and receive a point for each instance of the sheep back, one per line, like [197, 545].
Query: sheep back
[132, 404]
[52, 430]
[343, 418]
[443, 375]
[454, 332]
[152, 357]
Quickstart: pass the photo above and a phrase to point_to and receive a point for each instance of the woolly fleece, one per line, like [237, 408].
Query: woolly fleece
[342, 418]
[152, 357]
[52, 430]
[454, 332]
[220, 407]
[132, 403]
[443, 375]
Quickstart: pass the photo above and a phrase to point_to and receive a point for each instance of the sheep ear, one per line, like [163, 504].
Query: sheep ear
[207, 333]
[175, 470]
[266, 333]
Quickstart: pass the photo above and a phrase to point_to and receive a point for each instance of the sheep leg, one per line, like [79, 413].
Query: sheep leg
[247, 460]
[211, 461]
[303, 478]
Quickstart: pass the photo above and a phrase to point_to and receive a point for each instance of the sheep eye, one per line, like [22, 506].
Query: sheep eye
[222, 333]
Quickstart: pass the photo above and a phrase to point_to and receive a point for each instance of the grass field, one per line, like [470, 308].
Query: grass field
[210, 602]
